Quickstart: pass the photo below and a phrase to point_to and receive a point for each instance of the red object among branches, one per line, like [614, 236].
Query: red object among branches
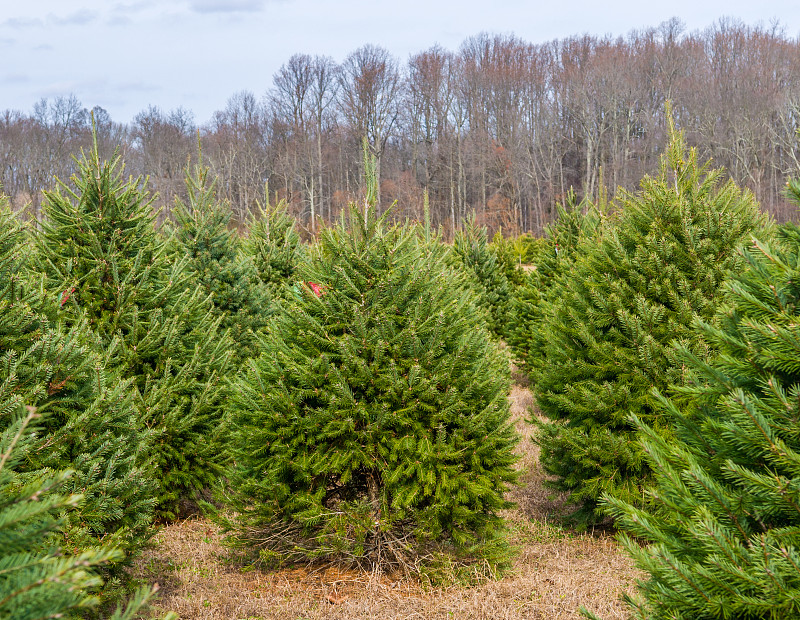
[318, 290]
[66, 295]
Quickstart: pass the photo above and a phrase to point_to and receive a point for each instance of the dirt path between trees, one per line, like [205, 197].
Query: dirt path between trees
[555, 572]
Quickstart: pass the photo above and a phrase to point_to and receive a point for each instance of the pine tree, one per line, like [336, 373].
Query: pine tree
[103, 258]
[724, 528]
[508, 252]
[657, 267]
[91, 425]
[374, 427]
[576, 222]
[471, 246]
[272, 243]
[37, 580]
[793, 190]
[217, 262]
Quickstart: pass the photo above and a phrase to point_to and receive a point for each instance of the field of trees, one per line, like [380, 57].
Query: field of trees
[333, 398]
[383, 421]
[501, 127]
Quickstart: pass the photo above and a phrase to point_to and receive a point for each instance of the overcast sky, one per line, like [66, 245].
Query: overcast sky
[125, 56]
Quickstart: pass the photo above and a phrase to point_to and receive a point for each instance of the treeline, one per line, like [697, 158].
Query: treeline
[502, 127]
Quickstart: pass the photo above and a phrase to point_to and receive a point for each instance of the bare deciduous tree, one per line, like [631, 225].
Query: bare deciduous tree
[370, 98]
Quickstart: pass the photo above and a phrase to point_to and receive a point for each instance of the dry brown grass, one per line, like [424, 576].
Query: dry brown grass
[555, 572]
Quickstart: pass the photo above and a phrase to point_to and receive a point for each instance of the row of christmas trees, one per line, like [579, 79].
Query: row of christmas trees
[344, 399]
[349, 399]
[117, 343]
[663, 340]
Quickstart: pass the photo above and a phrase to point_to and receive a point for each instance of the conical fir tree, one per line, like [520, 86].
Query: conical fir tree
[102, 257]
[37, 579]
[216, 261]
[90, 427]
[471, 246]
[508, 251]
[657, 267]
[272, 243]
[374, 429]
[575, 223]
[724, 529]
[34, 581]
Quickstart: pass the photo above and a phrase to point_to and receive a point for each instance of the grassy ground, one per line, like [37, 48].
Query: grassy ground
[555, 572]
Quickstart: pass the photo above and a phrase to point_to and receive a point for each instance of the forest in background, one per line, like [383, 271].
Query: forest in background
[501, 127]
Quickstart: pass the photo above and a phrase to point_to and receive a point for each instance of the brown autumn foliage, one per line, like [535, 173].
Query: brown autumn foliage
[501, 127]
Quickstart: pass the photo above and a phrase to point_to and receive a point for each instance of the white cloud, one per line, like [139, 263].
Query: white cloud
[23, 22]
[78, 18]
[15, 78]
[131, 7]
[227, 6]
[119, 20]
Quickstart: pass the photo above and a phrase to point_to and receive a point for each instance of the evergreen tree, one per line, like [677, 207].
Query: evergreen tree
[724, 529]
[610, 321]
[575, 222]
[37, 580]
[509, 254]
[471, 246]
[100, 252]
[374, 428]
[91, 425]
[272, 243]
[793, 190]
[217, 263]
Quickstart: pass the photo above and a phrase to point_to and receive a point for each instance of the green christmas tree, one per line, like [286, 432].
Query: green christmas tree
[576, 222]
[103, 258]
[38, 580]
[471, 246]
[272, 243]
[793, 190]
[658, 266]
[216, 261]
[374, 428]
[724, 527]
[91, 426]
[509, 252]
